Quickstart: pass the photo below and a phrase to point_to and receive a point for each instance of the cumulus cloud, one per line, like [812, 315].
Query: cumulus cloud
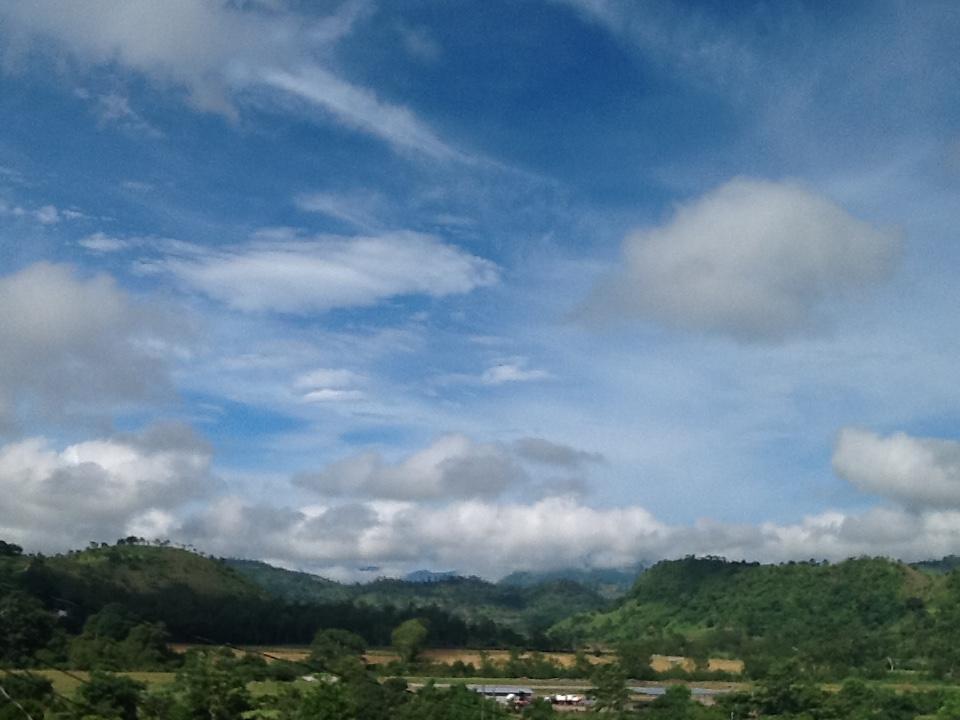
[100, 489]
[328, 272]
[69, 342]
[215, 50]
[915, 472]
[754, 260]
[453, 466]
[456, 466]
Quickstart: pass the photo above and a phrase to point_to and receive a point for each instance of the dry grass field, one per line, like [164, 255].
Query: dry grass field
[660, 663]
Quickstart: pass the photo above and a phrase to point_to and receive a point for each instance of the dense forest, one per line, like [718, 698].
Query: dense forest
[199, 597]
[526, 608]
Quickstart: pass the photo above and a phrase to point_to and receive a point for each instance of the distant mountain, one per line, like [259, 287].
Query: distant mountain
[428, 576]
[523, 608]
[945, 564]
[608, 582]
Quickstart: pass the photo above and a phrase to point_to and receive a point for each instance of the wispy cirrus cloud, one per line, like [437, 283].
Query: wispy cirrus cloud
[328, 272]
[216, 50]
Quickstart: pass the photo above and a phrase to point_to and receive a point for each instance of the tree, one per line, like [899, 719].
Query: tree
[10, 549]
[408, 638]
[635, 659]
[331, 647]
[113, 696]
[539, 709]
[24, 693]
[610, 689]
[211, 689]
[25, 627]
[674, 704]
[326, 701]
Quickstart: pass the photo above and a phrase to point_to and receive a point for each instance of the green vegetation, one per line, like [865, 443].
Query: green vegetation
[197, 598]
[887, 634]
[867, 615]
[527, 609]
[609, 583]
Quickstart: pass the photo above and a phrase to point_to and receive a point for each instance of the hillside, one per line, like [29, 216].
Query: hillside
[198, 597]
[292, 585]
[855, 613]
[610, 583]
[529, 610]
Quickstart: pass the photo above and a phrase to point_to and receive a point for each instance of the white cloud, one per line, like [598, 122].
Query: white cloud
[102, 243]
[507, 370]
[493, 538]
[329, 272]
[453, 466]
[213, 50]
[915, 472]
[478, 536]
[116, 108]
[329, 377]
[324, 395]
[99, 489]
[360, 108]
[511, 372]
[69, 343]
[754, 260]
[47, 215]
[360, 210]
[330, 385]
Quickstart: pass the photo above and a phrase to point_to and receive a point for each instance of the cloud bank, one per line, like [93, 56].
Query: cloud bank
[100, 489]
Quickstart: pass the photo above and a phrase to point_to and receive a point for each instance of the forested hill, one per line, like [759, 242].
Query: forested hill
[528, 609]
[609, 582]
[197, 596]
[857, 613]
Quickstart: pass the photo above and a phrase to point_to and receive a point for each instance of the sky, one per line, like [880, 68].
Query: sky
[361, 287]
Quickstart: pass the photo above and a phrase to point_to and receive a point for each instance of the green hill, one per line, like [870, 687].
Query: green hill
[292, 585]
[863, 612]
[197, 597]
[610, 583]
[140, 569]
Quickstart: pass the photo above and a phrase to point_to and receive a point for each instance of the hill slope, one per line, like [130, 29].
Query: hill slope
[529, 610]
[853, 613]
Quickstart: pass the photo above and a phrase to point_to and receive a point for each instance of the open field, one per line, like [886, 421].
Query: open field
[381, 656]
[64, 684]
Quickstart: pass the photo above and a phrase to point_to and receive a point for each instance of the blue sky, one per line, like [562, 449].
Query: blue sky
[480, 286]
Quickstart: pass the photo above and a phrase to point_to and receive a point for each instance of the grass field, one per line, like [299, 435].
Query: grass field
[381, 656]
[66, 684]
